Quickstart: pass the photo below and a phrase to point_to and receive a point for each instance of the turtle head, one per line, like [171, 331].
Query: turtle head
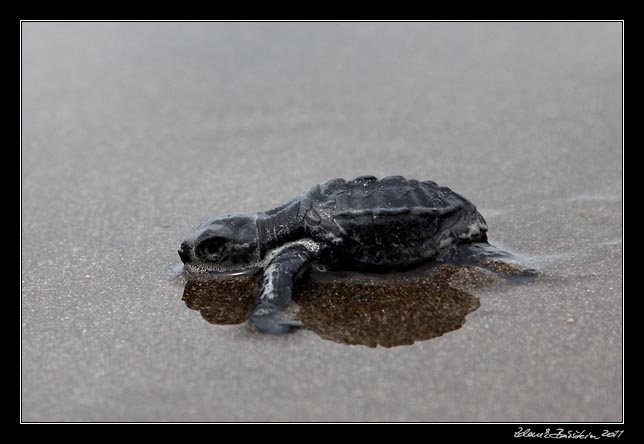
[228, 244]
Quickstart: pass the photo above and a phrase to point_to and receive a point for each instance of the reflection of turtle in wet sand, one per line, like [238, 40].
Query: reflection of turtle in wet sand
[364, 224]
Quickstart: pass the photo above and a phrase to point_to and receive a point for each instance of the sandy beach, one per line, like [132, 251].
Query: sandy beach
[134, 133]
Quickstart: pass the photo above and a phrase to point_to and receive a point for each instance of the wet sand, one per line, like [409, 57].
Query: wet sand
[358, 309]
[135, 133]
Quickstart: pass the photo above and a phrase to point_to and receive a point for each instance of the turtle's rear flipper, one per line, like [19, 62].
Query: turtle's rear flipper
[276, 288]
[484, 255]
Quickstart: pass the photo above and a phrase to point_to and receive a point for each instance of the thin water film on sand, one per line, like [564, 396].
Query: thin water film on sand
[361, 309]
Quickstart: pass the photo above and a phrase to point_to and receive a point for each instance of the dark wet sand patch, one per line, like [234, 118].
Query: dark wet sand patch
[386, 310]
[223, 300]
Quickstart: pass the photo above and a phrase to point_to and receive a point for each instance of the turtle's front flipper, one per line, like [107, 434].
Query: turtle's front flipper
[277, 287]
[484, 255]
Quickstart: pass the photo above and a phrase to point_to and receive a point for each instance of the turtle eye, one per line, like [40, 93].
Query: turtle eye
[212, 246]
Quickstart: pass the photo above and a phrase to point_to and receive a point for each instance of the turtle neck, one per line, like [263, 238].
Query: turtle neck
[279, 226]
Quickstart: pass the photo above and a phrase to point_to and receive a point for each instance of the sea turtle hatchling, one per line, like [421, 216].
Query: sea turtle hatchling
[364, 224]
